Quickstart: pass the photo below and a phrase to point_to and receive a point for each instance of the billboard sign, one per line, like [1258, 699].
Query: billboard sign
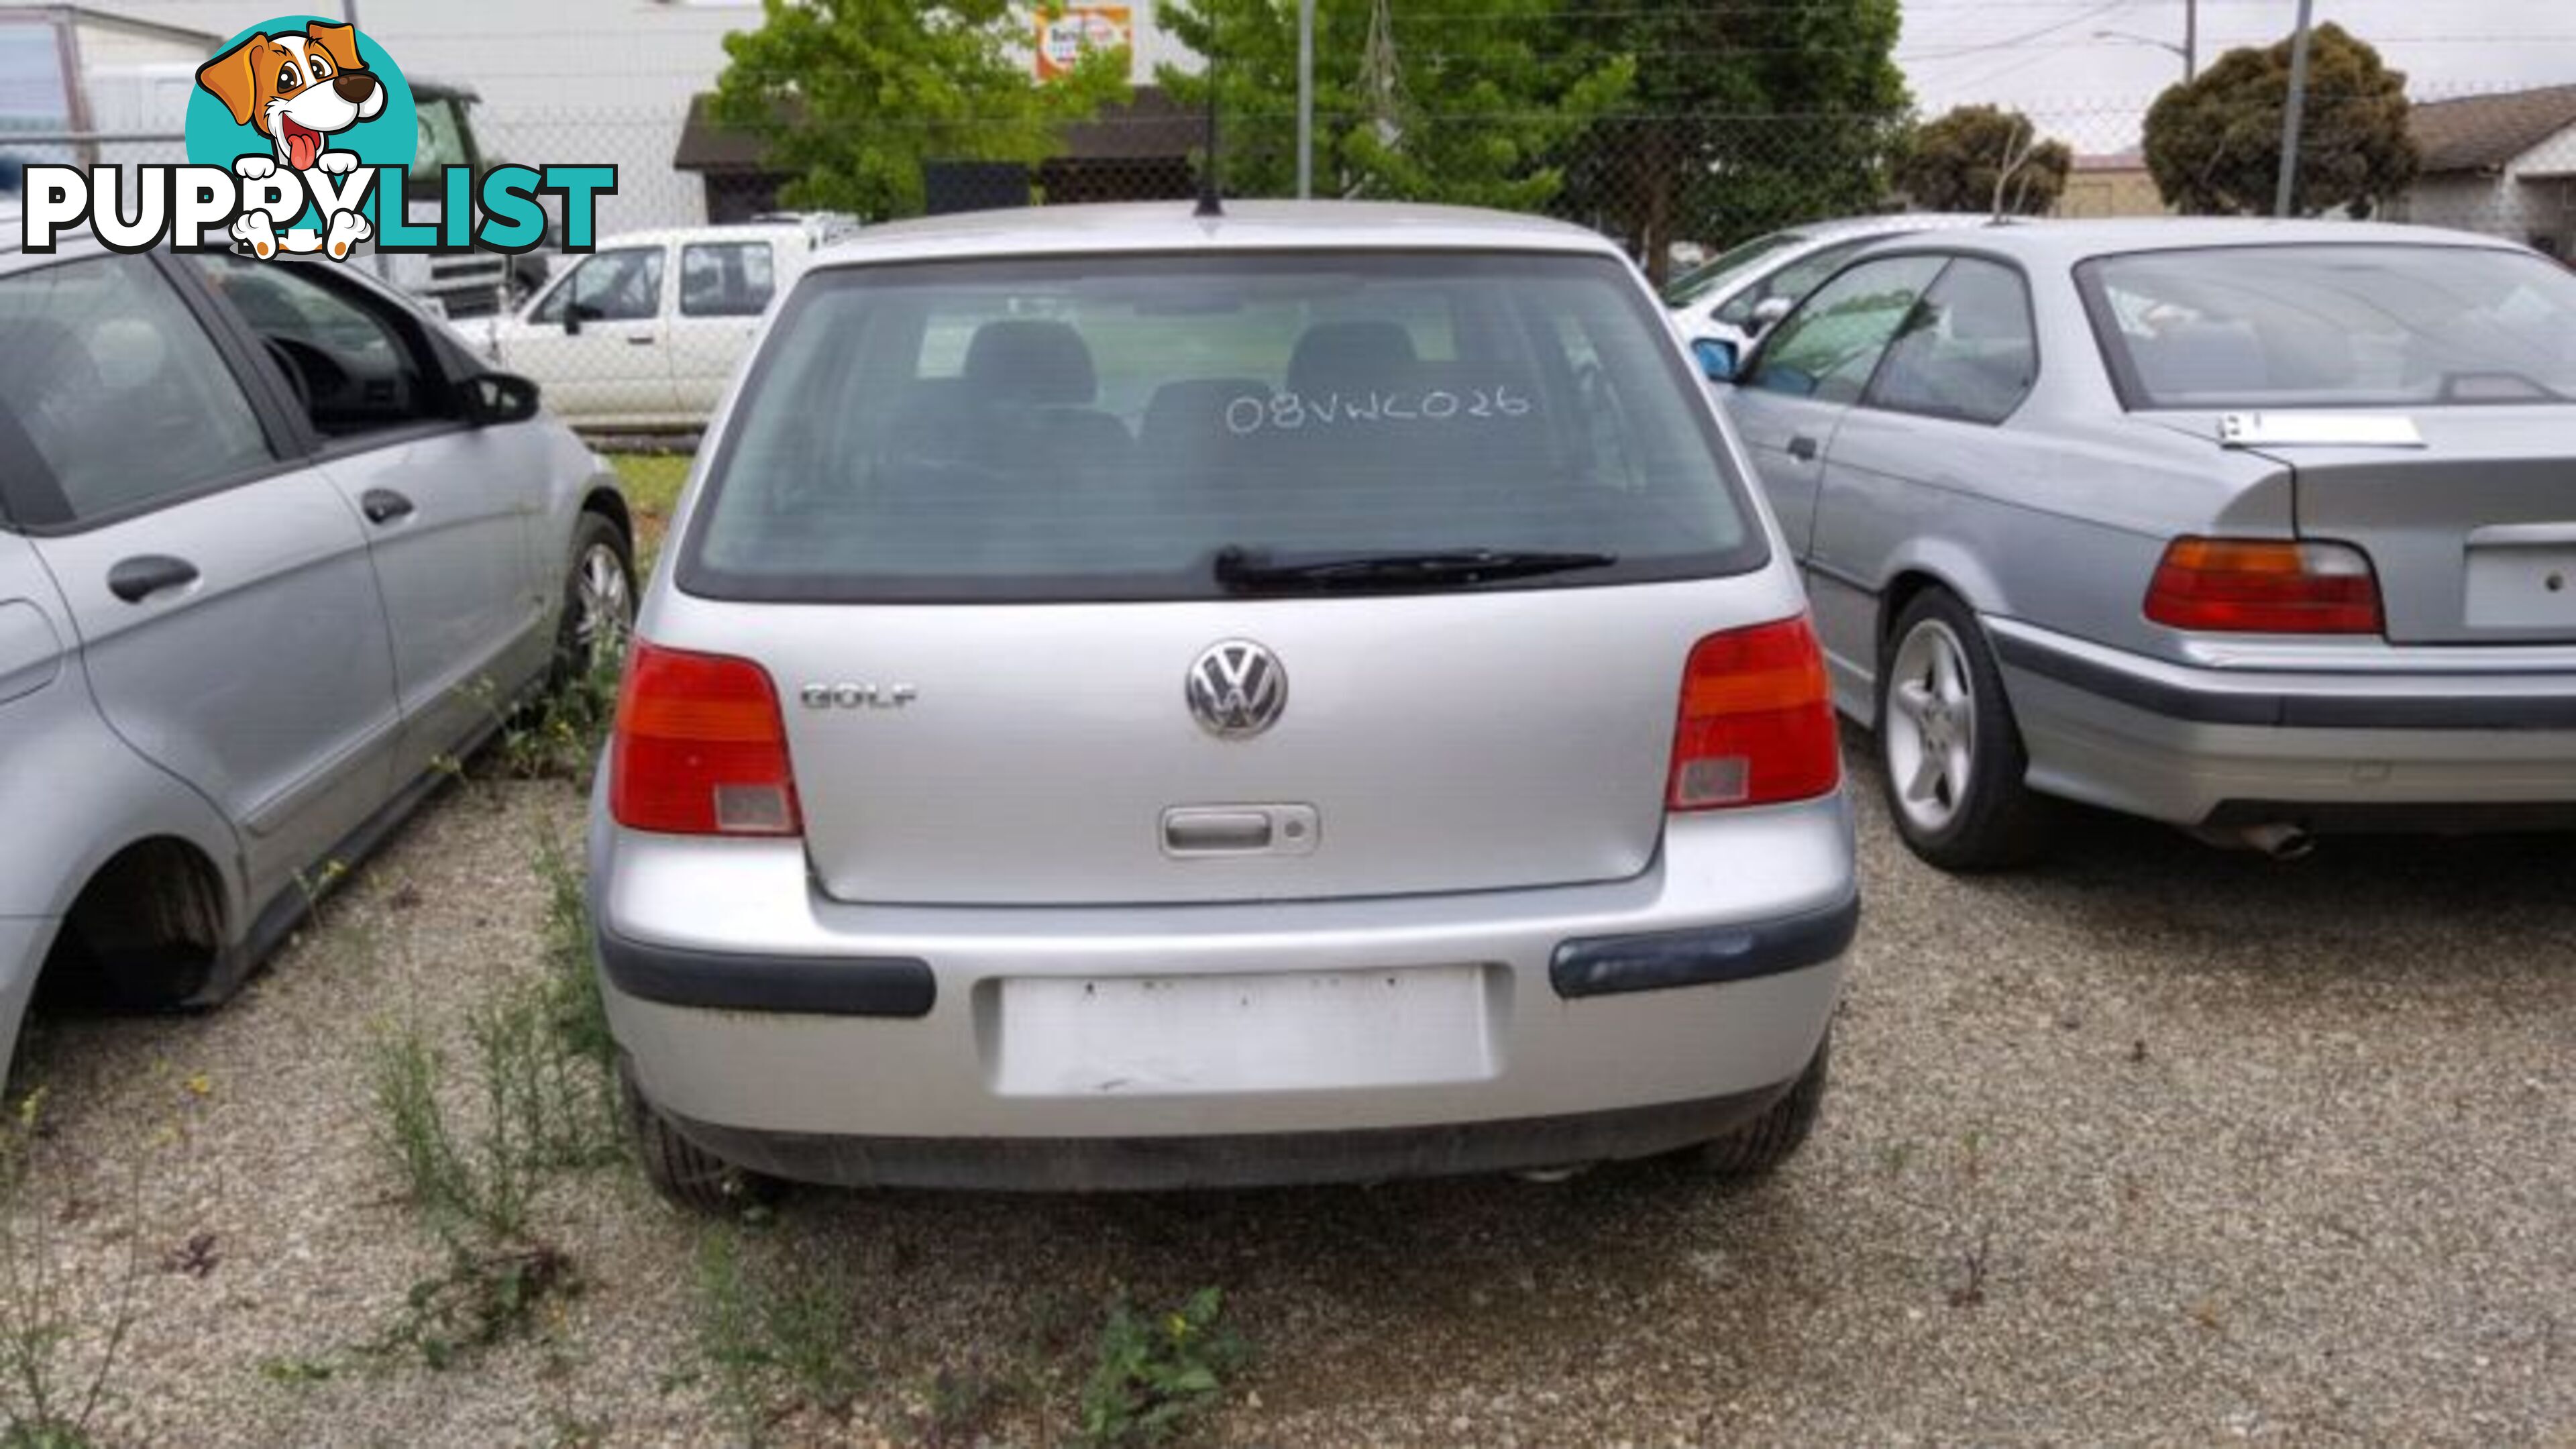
[1067, 32]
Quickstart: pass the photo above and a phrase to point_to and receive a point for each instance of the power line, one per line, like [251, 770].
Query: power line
[2096, 13]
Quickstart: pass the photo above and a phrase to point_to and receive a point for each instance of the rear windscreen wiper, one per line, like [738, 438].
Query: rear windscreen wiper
[1250, 571]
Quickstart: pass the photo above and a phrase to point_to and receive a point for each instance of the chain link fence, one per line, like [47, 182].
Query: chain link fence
[1673, 189]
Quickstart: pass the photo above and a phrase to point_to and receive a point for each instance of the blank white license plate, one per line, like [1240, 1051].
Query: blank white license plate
[2522, 588]
[1183, 1035]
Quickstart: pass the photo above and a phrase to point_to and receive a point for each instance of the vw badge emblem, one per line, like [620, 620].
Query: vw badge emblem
[1236, 689]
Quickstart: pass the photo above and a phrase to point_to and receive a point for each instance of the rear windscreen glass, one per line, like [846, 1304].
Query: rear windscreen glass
[2334, 326]
[1106, 428]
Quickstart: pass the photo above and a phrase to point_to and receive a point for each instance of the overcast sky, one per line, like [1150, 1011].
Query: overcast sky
[2045, 57]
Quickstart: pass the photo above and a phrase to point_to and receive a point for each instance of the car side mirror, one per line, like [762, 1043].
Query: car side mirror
[1717, 359]
[1768, 311]
[497, 397]
[572, 320]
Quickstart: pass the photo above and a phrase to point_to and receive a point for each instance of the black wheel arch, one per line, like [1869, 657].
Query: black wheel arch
[149, 928]
[610, 504]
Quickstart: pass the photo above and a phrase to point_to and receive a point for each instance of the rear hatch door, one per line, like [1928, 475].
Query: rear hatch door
[1050, 754]
[1448, 523]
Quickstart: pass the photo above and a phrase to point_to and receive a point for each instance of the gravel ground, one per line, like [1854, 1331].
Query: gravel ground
[2153, 1144]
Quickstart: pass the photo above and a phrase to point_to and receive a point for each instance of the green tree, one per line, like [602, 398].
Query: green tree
[1465, 104]
[1953, 163]
[2214, 145]
[852, 96]
[1745, 117]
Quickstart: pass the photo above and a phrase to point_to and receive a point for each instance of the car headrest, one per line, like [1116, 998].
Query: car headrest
[45, 363]
[1029, 361]
[1985, 306]
[2202, 358]
[1196, 407]
[1335, 356]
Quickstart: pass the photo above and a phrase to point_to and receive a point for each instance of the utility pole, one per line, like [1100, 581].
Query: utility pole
[1305, 99]
[2290, 114]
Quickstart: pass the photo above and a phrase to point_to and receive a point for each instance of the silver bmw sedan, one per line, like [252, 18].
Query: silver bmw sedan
[2265, 529]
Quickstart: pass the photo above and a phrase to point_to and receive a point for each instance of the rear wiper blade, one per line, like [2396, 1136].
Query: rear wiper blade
[1249, 571]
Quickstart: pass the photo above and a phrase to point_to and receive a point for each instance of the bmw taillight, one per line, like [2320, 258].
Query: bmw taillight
[1757, 721]
[700, 748]
[2252, 586]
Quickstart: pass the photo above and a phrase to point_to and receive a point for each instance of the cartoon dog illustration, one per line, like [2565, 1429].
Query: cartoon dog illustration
[299, 91]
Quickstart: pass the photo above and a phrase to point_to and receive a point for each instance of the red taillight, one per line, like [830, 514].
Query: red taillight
[1757, 723]
[2236, 586]
[700, 748]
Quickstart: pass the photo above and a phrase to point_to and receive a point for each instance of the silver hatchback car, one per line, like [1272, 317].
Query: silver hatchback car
[2264, 529]
[1152, 701]
[273, 546]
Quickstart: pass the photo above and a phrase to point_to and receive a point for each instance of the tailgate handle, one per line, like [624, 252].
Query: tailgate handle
[1205, 832]
[1193, 830]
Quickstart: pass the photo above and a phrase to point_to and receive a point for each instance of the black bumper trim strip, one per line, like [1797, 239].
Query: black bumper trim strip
[796, 985]
[1249, 1160]
[2154, 696]
[2294, 711]
[1702, 956]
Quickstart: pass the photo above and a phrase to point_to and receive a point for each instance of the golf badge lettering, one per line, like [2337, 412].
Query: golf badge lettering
[302, 138]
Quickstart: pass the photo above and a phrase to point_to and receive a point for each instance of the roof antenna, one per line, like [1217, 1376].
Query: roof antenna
[2018, 149]
[1211, 203]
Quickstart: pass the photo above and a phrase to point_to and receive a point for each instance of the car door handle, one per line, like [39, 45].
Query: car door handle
[644, 341]
[138, 578]
[383, 505]
[1803, 448]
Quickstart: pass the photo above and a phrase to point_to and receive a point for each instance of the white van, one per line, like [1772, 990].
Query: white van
[646, 331]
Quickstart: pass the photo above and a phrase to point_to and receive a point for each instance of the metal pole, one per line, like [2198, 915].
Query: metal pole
[2290, 114]
[2190, 40]
[349, 12]
[1305, 99]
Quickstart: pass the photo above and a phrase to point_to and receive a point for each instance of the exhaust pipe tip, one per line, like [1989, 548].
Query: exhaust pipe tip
[2281, 842]
[1550, 1176]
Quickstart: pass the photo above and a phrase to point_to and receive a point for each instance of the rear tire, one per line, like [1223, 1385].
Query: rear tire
[1950, 753]
[685, 1174]
[1760, 1146]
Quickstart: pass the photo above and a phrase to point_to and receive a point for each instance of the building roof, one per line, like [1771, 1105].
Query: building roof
[2474, 133]
[1151, 125]
[89, 15]
[707, 144]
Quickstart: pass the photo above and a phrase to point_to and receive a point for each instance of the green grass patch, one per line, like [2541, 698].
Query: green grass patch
[1156, 1373]
[652, 482]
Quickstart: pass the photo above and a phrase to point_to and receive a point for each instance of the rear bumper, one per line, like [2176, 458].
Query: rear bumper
[1698, 989]
[2438, 742]
[899, 986]
[1262, 1159]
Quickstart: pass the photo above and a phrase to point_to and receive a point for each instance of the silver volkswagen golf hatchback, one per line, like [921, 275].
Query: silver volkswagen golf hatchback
[1142, 700]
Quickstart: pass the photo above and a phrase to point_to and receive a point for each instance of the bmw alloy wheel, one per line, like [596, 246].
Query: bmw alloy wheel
[1930, 736]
